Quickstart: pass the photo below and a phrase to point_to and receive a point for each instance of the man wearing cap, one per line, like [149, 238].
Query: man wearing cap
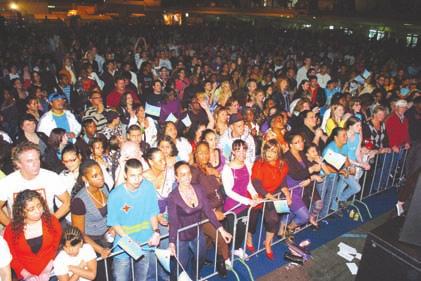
[397, 127]
[58, 117]
[237, 130]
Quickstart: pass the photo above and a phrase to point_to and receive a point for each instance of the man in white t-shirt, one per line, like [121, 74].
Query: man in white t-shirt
[29, 175]
[5, 259]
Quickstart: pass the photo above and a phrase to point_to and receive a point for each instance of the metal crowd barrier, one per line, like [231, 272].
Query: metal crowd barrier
[374, 181]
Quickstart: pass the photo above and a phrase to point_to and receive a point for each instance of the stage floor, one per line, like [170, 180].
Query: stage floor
[326, 265]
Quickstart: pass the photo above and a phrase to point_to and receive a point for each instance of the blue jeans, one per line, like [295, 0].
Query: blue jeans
[144, 269]
[163, 275]
[326, 190]
[345, 189]
[299, 216]
[187, 253]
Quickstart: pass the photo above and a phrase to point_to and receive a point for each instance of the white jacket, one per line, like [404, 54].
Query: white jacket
[47, 124]
[228, 183]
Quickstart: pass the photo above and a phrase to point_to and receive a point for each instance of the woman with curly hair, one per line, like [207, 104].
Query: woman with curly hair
[33, 237]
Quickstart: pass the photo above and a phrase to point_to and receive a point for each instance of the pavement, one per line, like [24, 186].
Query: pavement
[326, 265]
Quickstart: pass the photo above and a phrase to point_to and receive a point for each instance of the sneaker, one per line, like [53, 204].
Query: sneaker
[399, 209]
[228, 264]
[241, 254]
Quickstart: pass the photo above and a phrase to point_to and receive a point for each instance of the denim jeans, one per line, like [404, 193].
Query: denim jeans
[327, 193]
[144, 269]
[299, 216]
[345, 189]
[163, 275]
[187, 253]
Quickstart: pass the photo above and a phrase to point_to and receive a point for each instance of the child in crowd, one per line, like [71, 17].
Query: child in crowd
[77, 260]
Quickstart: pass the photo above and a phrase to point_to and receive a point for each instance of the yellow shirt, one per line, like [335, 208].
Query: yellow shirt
[331, 124]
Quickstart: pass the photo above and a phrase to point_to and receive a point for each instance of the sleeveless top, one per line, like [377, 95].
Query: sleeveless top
[95, 223]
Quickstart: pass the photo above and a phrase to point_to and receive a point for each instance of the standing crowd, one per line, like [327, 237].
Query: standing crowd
[113, 135]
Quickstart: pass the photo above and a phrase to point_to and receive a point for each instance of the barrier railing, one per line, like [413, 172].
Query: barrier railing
[374, 181]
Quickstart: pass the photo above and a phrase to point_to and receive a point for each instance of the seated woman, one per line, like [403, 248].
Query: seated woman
[187, 205]
[210, 179]
[76, 260]
[89, 211]
[33, 237]
[268, 177]
[236, 179]
[299, 177]
[52, 156]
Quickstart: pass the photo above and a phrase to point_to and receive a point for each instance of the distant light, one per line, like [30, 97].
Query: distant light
[407, 24]
[314, 18]
[331, 27]
[187, 15]
[51, 7]
[14, 6]
[72, 13]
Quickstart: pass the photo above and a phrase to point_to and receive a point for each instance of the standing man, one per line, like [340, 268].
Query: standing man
[139, 221]
[29, 175]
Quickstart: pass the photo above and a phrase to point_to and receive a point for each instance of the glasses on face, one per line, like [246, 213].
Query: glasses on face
[70, 160]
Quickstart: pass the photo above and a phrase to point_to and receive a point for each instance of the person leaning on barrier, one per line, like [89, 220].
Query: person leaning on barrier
[236, 179]
[133, 211]
[300, 176]
[337, 142]
[210, 179]
[187, 205]
[268, 178]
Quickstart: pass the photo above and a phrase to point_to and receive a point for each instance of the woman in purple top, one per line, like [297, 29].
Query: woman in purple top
[187, 205]
[300, 177]
[236, 178]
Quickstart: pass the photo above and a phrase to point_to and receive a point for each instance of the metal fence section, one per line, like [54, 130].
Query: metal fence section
[386, 173]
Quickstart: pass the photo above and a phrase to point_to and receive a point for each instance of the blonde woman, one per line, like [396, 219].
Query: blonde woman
[222, 94]
[337, 118]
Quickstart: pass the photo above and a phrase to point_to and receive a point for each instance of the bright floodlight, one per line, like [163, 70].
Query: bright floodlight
[13, 6]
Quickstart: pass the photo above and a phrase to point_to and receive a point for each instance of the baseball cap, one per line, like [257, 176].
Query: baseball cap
[234, 118]
[55, 96]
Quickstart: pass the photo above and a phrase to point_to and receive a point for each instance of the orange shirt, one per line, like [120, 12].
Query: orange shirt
[271, 176]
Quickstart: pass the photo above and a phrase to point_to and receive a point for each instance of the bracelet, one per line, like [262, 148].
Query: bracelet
[157, 231]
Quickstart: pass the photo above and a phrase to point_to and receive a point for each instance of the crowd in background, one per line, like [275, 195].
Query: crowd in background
[114, 129]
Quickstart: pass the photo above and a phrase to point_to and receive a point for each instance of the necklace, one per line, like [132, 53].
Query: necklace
[189, 196]
[102, 203]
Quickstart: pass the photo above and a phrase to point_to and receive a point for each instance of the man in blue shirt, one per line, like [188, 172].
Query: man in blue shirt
[133, 211]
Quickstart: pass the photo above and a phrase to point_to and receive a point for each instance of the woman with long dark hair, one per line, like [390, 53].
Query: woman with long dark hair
[53, 154]
[33, 237]
[300, 177]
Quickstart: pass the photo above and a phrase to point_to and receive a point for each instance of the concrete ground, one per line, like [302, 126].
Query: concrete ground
[326, 265]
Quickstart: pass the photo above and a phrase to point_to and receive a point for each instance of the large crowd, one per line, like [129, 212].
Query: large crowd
[111, 129]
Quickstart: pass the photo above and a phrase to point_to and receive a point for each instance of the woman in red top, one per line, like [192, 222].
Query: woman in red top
[268, 178]
[33, 237]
